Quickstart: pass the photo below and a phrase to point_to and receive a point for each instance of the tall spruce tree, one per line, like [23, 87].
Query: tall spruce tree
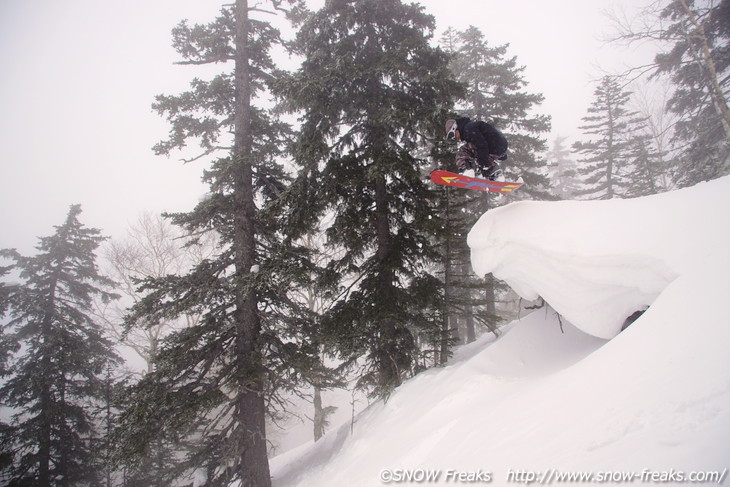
[458, 313]
[55, 378]
[607, 157]
[214, 381]
[370, 90]
[496, 94]
[6, 348]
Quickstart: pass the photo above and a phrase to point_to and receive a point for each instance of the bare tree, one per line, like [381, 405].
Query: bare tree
[153, 248]
[691, 38]
[650, 100]
[316, 302]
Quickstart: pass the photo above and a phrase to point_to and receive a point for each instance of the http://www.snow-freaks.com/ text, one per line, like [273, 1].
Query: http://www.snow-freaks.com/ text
[550, 476]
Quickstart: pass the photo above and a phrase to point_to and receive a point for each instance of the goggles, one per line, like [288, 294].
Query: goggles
[451, 135]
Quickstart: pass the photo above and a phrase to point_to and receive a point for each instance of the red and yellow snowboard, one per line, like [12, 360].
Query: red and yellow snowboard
[447, 178]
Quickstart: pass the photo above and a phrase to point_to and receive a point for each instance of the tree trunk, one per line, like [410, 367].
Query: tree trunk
[490, 293]
[45, 396]
[253, 469]
[610, 143]
[490, 290]
[44, 445]
[319, 416]
[448, 288]
[716, 92]
[389, 368]
[471, 333]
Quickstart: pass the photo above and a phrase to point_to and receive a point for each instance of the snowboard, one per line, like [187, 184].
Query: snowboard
[447, 178]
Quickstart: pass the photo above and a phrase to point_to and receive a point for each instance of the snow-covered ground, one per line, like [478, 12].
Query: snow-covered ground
[549, 398]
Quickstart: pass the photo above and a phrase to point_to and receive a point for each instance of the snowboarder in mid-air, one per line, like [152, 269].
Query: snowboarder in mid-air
[483, 146]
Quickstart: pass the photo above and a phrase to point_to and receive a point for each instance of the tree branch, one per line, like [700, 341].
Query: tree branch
[206, 153]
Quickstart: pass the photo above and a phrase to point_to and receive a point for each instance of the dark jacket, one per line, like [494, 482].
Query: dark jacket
[486, 139]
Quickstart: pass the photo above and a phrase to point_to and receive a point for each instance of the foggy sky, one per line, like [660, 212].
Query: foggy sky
[79, 77]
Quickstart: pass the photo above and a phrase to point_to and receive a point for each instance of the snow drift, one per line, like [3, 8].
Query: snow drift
[552, 398]
[597, 262]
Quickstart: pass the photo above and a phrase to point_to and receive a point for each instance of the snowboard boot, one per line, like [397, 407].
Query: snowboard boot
[493, 172]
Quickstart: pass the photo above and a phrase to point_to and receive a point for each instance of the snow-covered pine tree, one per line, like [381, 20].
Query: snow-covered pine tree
[370, 90]
[55, 377]
[216, 380]
[606, 158]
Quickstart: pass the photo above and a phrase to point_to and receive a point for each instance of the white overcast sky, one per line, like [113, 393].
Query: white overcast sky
[78, 78]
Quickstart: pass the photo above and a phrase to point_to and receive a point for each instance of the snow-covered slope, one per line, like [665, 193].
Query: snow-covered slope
[597, 262]
[541, 401]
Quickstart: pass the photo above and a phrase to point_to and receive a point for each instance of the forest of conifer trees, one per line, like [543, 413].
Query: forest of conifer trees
[321, 256]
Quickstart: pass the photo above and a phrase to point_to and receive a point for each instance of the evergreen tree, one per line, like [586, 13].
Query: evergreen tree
[695, 56]
[214, 381]
[607, 157]
[56, 374]
[370, 88]
[495, 92]
[562, 170]
[7, 433]
[461, 302]
[154, 248]
[457, 313]
[645, 168]
[699, 65]
[657, 124]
